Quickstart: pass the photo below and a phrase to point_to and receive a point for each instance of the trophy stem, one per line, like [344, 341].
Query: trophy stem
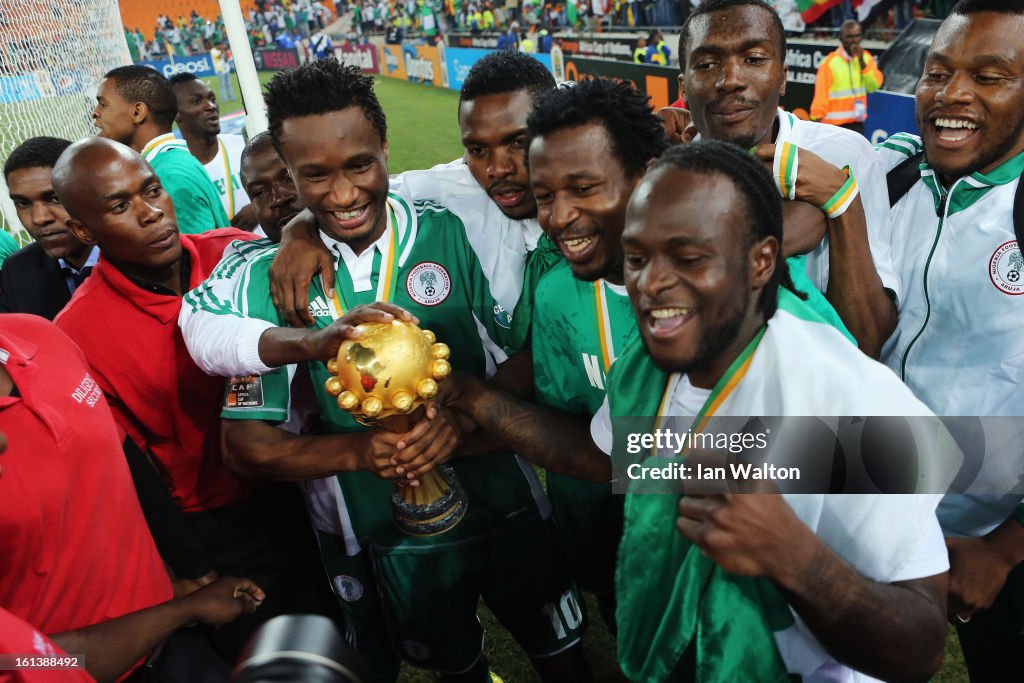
[432, 508]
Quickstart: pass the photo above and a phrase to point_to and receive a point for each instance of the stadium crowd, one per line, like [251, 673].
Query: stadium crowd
[176, 473]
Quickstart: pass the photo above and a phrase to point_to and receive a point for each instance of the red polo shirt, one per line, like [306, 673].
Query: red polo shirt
[159, 396]
[75, 547]
[21, 639]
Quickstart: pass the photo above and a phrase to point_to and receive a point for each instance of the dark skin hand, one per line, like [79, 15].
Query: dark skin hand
[259, 449]
[978, 568]
[554, 440]
[110, 648]
[805, 224]
[285, 346]
[183, 587]
[854, 288]
[864, 624]
[245, 218]
[302, 255]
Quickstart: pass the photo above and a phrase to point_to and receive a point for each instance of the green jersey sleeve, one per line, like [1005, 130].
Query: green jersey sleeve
[255, 397]
[197, 203]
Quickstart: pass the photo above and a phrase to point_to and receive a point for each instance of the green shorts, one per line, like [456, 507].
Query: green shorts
[590, 519]
[421, 601]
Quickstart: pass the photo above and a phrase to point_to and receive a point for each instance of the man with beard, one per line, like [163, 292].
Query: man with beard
[219, 153]
[744, 587]
[957, 345]
[732, 56]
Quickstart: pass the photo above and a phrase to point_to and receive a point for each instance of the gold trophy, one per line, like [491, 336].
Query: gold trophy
[383, 380]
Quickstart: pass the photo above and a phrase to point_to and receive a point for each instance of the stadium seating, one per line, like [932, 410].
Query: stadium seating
[142, 14]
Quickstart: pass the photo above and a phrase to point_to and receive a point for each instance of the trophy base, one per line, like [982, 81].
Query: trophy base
[433, 508]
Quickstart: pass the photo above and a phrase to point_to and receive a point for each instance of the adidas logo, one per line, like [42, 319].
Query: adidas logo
[318, 308]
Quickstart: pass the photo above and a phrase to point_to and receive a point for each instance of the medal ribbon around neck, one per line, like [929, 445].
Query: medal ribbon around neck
[156, 145]
[723, 388]
[387, 277]
[604, 325]
[227, 178]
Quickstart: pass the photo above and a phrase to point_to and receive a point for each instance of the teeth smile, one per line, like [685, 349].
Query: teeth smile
[661, 313]
[577, 244]
[955, 123]
[347, 215]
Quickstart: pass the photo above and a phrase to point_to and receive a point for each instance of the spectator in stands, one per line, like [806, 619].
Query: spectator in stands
[510, 39]
[640, 52]
[657, 51]
[41, 278]
[843, 82]
[320, 45]
[136, 106]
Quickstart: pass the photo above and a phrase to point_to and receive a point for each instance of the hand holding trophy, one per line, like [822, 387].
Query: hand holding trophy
[383, 379]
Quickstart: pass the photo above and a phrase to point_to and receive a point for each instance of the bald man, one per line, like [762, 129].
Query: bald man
[125, 320]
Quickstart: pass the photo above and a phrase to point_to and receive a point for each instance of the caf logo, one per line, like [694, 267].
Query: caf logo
[1006, 269]
[428, 283]
[348, 588]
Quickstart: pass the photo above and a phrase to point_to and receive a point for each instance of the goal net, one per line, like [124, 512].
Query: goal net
[53, 54]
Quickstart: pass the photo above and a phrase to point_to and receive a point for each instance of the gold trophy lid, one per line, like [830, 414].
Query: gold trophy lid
[391, 370]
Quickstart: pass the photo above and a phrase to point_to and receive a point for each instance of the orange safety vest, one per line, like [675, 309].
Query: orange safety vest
[841, 88]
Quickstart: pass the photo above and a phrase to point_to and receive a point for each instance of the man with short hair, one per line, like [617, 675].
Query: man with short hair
[844, 80]
[957, 344]
[136, 106]
[219, 153]
[502, 548]
[41, 277]
[266, 180]
[733, 73]
[758, 586]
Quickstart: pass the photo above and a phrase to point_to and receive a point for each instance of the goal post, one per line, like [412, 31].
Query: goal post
[53, 54]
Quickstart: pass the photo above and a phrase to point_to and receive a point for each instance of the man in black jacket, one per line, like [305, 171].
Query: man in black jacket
[41, 278]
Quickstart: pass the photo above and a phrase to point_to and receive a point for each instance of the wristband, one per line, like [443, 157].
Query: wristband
[841, 200]
[784, 169]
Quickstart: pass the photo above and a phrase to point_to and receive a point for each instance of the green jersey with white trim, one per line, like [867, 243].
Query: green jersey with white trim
[438, 279]
[578, 327]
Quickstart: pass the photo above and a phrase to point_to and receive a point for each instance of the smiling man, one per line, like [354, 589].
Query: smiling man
[41, 278]
[733, 73]
[721, 337]
[136, 106]
[590, 147]
[958, 344]
[415, 597]
[219, 153]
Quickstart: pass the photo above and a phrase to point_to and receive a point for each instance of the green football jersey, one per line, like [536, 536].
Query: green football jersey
[578, 329]
[436, 277]
[197, 204]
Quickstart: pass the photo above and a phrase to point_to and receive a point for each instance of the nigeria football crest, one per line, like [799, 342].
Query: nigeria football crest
[1006, 268]
[428, 283]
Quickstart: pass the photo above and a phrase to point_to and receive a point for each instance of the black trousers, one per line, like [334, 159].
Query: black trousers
[270, 540]
[993, 640]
